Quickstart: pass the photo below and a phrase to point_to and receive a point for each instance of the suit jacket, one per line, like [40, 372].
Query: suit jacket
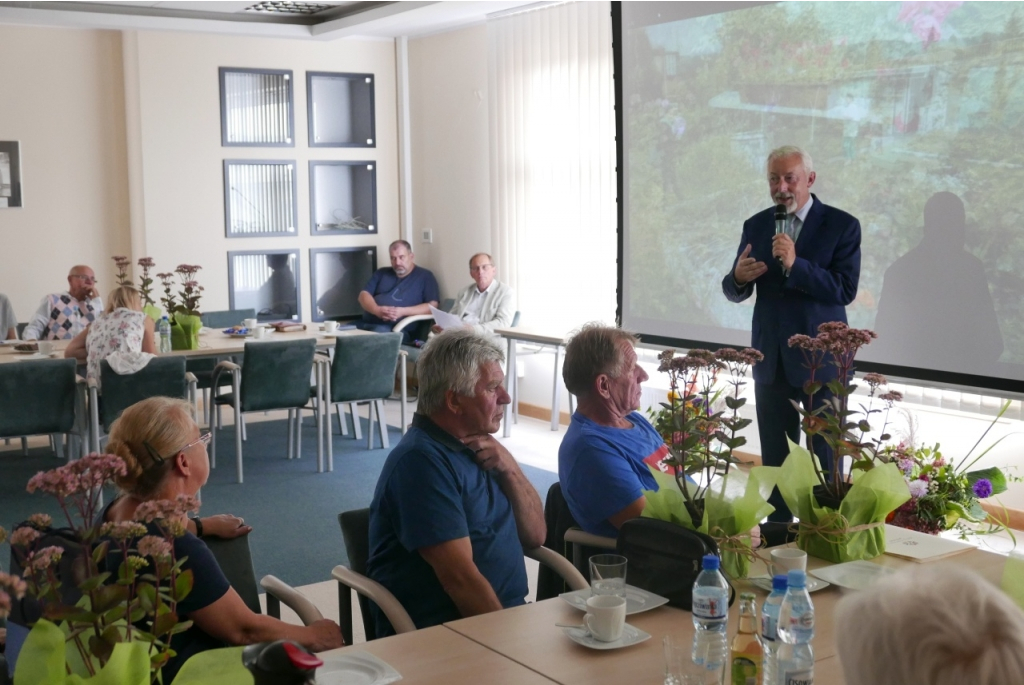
[498, 307]
[821, 283]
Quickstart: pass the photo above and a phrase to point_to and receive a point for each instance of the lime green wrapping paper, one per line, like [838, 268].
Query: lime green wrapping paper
[43, 657]
[733, 505]
[872, 496]
[1013, 577]
[185, 332]
[215, 667]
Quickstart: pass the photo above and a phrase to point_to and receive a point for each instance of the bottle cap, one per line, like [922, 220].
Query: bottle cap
[779, 583]
[796, 578]
[710, 562]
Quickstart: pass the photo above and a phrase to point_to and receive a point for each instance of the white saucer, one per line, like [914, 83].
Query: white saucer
[355, 668]
[637, 600]
[630, 636]
[852, 575]
[35, 356]
[765, 583]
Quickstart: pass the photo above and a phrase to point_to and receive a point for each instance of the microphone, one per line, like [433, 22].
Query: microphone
[780, 222]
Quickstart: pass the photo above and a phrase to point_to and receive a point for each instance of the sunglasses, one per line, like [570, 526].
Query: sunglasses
[204, 439]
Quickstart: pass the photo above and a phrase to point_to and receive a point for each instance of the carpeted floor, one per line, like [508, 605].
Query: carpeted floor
[293, 510]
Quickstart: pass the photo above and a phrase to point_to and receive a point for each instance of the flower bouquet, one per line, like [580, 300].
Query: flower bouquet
[842, 512]
[185, 321]
[701, 436]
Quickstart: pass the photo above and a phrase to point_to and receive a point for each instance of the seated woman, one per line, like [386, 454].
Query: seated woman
[122, 327]
[165, 456]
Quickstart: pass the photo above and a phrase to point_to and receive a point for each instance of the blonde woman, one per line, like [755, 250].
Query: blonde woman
[165, 456]
[122, 327]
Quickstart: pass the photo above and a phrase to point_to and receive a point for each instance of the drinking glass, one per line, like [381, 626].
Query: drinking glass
[608, 575]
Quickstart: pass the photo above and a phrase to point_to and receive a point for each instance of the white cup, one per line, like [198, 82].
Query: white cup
[250, 323]
[787, 559]
[606, 614]
[45, 347]
[330, 326]
[259, 332]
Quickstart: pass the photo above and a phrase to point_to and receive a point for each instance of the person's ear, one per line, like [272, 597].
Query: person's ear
[810, 179]
[453, 401]
[181, 464]
[601, 384]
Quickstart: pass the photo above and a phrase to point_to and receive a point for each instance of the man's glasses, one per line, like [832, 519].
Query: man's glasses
[87, 279]
[157, 459]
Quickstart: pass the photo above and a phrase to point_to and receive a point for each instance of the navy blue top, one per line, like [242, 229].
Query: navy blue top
[389, 290]
[209, 585]
[432, 491]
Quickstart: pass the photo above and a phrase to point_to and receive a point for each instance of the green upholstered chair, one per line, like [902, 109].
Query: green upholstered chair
[161, 377]
[273, 375]
[203, 368]
[38, 397]
[363, 370]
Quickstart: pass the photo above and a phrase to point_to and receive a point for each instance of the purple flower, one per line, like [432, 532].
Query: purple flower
[982, 488]
[918, 488]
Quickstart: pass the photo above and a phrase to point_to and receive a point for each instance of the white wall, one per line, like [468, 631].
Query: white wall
[61, 96]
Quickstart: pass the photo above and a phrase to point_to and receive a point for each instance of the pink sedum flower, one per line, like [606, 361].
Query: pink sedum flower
[25, 536]
[154, 546]
[42, 559]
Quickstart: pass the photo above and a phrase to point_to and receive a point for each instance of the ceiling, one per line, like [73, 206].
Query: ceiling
[325, 20]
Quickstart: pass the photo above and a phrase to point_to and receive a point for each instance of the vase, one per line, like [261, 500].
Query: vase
[185, 332]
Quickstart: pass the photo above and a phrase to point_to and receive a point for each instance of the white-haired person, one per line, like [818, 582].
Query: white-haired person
[122, 328]
[165, 456]
[931, 626]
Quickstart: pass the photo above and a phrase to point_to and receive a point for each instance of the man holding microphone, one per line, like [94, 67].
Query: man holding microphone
[803, 258]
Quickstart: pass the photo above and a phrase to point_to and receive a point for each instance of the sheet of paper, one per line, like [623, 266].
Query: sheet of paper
[910, 544]
[445, 320]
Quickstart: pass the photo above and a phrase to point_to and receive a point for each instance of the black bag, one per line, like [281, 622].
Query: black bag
[665, 558]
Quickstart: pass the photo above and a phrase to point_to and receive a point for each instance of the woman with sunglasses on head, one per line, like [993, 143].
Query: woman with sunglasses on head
[165, 456]
[122, 328]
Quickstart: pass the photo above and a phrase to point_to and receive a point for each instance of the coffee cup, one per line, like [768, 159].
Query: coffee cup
[330, 326]
[45, 347]
[606, 615]
[250, 323]
[786, 559]
[259, 332]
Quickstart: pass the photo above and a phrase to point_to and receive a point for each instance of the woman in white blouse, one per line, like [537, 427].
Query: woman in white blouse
[122, 327]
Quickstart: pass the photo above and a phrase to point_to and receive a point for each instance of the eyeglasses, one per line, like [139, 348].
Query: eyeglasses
[87, 279]
[157, 459]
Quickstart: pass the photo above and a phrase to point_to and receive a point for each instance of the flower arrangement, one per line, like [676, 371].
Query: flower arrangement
[145, 281]
[127, 576]
[122, 264]
[189, 294]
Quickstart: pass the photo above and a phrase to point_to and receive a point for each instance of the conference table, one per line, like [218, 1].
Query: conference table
[526, 637]
[536, 337]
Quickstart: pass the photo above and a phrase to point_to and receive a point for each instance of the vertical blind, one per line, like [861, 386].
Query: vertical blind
[257, 107]
[552, 151]
[261, 198]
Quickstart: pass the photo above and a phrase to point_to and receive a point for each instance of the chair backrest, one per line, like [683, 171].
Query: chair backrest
[275, 375]
[235, 560]
[226, 317]
[515, 320]
[161, 377]
[37, 397]
[21, 329]
[364, 366]
[447, 304]
[558, 519]
[355, 528]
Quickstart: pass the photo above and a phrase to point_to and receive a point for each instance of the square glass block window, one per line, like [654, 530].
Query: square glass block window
[343, 197]
[259, 198]
[256, 108]
[338, 274]
[267, 281]
[340, 109]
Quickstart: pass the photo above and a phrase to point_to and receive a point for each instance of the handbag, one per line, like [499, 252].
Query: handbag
[665, 558]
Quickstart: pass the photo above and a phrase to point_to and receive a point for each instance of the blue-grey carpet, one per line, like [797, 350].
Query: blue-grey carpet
[293, 509]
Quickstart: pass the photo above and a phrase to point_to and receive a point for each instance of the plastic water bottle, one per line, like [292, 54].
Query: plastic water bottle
[769, 630]
[163, 329]
[796, 630]
[710, 618]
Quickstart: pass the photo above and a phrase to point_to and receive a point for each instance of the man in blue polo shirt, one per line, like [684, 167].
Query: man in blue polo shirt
[396, 292]
[452, 511]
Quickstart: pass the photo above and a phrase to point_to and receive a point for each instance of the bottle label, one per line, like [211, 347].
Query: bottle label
[745, 669]
[710, 603]
[802, 677]
[769, 627]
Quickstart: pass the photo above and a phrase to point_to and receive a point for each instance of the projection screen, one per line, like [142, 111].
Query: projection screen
[902, 106]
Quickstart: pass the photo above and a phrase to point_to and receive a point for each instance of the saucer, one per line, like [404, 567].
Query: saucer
[355, 668]
[630, 636]
[765, 583]
[852, 575]
[637, 600]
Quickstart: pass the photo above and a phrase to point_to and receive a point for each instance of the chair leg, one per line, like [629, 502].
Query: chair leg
[238, 441]
[320, 438]
[24, 446]
[356, 428]
[369, 426]
[213, 445]
[245, 436]
[207, 413]
[382, 423]
[291, 431]
[342, 421]
[298, 434]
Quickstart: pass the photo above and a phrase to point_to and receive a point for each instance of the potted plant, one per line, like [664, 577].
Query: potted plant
[700, 424]
[842, 511]
[146, 289]
[184, 317]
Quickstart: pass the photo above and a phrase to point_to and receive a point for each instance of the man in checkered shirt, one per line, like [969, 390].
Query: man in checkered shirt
[62, 316]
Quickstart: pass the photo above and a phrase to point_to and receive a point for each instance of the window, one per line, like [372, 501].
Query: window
[256, 108]
[259, 198]
[340, 109]
[342, 197]
[267, 281]
[337, 277]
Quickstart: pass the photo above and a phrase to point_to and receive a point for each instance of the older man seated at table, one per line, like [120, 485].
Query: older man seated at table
[933, 626]
[398, 291]
[604, 458]
[62, 316]
[486, 303]
[452, 510]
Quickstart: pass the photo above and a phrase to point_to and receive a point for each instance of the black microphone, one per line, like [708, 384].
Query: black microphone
[780, 223]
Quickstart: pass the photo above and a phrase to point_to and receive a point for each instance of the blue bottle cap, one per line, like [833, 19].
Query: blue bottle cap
[779, 583]
[796, 578]
[710, 562]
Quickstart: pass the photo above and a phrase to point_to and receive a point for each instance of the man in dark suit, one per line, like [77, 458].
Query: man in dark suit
[804, 276]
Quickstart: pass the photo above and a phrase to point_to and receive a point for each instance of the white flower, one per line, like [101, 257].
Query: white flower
[918, 488]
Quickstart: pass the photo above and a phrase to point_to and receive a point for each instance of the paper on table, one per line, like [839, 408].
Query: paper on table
[917, 546]
[444, 319]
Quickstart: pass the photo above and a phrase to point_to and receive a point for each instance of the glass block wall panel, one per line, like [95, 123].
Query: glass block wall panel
[259, 198]
[337, 276]
[340, 109]
[256, 107]
[343, 197]
[266, 281]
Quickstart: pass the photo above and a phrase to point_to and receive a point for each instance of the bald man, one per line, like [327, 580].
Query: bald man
[62, 316]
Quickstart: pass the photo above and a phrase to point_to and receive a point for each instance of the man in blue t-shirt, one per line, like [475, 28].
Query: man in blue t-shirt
[604, 458]
[396, 292]
[452, 511]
